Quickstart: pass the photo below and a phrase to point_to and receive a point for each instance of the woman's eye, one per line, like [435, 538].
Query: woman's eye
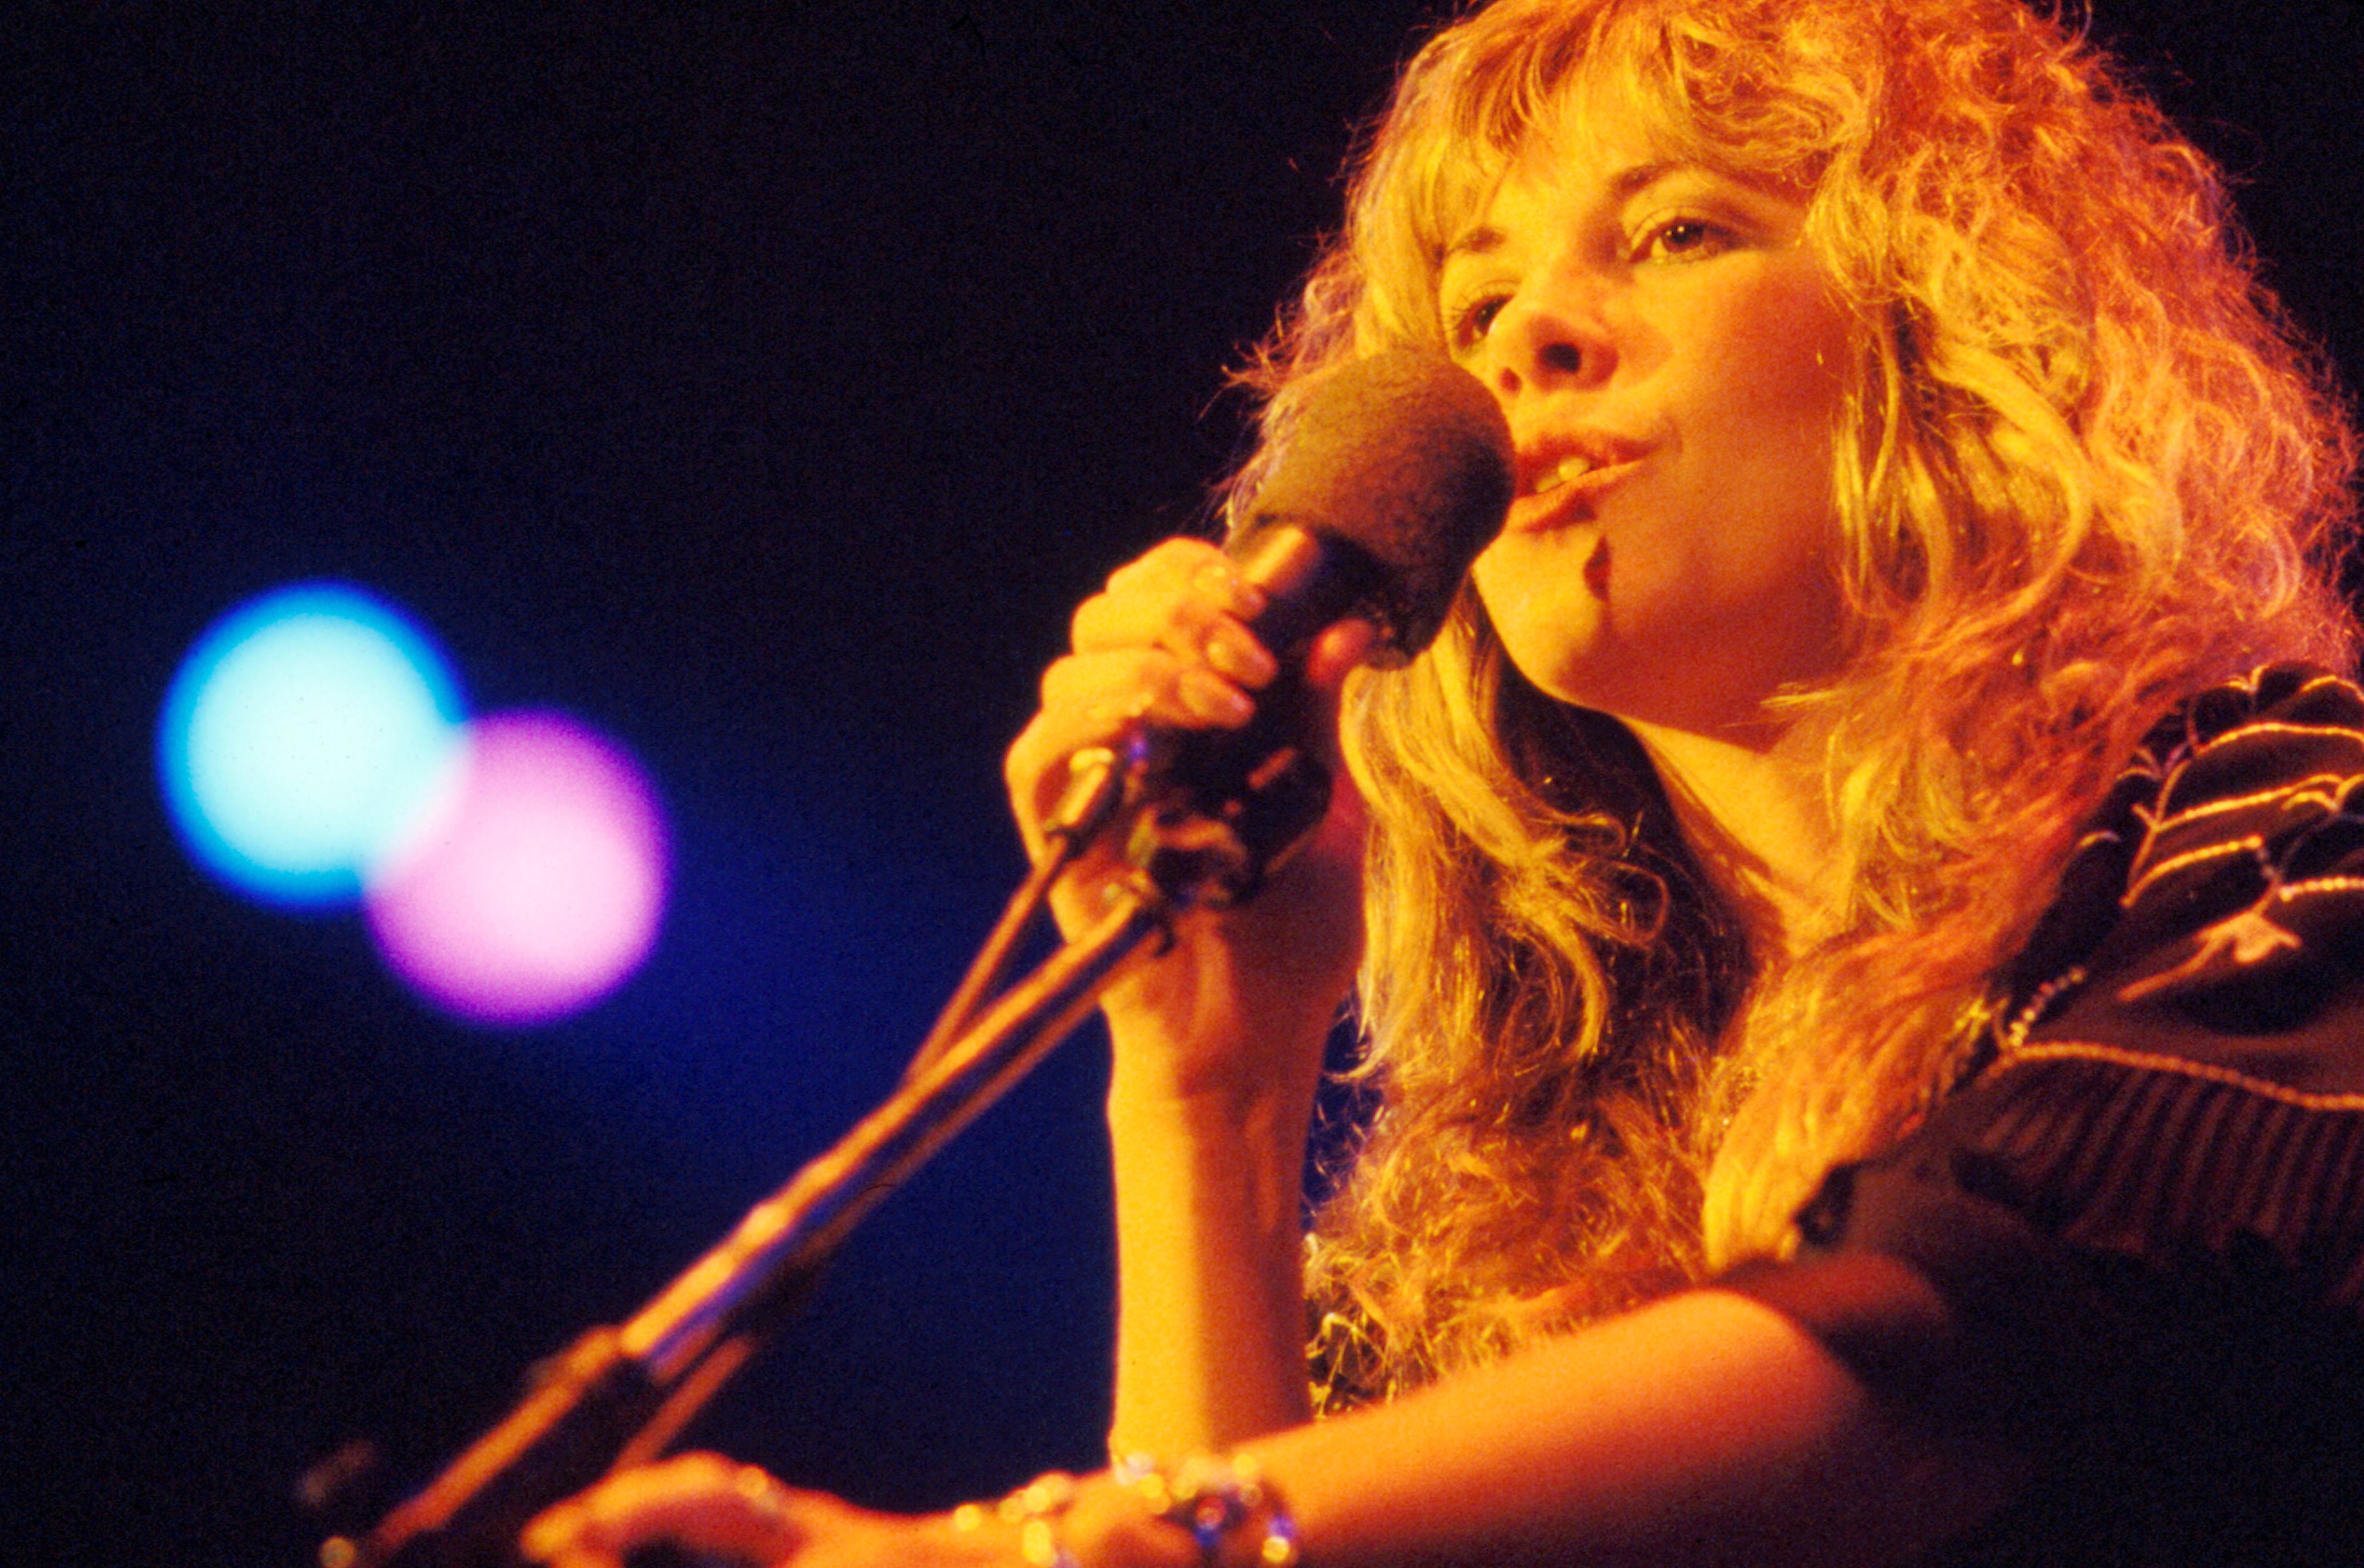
[1471, 322]
[1685, 236]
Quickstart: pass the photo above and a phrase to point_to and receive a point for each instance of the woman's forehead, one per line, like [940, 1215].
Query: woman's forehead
[1593, 126]
[1473, 150]
[1592, 132]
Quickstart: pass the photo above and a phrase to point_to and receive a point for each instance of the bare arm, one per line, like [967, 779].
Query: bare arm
[1218, 1044]
[1707, 1429]
[1211, 1341]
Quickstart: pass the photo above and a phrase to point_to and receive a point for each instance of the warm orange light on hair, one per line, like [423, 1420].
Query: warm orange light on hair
[2088, 469]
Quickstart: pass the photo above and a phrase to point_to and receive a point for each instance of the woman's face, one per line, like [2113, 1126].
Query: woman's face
[1669, 355]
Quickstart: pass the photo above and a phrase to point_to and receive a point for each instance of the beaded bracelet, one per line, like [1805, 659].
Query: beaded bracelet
[1036, 1509]
[1216, 1499]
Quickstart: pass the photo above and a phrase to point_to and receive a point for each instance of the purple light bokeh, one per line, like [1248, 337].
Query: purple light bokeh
[540, 883]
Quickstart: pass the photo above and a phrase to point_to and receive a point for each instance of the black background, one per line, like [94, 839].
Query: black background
[763, 384]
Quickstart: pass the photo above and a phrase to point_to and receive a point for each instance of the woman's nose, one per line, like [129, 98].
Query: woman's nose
[1547, 338]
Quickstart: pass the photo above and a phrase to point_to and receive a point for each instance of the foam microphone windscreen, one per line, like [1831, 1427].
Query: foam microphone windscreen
[1406, 458]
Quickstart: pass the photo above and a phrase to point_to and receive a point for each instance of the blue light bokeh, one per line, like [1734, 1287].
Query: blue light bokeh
[304, 732]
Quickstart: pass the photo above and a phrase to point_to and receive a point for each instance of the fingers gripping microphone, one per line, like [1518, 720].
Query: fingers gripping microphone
[1386, 475]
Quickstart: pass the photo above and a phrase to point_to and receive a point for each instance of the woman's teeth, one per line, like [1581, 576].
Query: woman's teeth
[1575, 467]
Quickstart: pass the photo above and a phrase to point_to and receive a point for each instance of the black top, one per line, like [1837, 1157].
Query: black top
[2144, 1207]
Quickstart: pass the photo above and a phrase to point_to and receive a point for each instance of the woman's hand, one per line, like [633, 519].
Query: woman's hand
[1244, 999]
[715, 1509]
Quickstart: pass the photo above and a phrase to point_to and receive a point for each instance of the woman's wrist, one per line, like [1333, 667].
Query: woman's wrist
[1231, 1151]
[1226, 1109]
[1209, 1511]
[1208, 1071]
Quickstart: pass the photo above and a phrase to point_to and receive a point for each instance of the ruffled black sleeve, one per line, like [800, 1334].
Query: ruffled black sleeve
[2143, 1215]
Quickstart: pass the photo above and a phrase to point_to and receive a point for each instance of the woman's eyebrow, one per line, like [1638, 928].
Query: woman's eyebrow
[1478, 241]
[1483, 239]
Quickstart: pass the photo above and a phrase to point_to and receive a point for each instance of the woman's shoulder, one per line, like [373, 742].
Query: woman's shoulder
[2220, 887]
[2141, 1216]
[2179, 1067]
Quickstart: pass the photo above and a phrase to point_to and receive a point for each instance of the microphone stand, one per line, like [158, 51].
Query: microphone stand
[619, 1394]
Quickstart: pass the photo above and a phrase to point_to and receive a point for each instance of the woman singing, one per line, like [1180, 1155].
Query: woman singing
[1856, 922]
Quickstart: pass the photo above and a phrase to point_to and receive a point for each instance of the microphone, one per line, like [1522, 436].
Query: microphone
[1384, 478]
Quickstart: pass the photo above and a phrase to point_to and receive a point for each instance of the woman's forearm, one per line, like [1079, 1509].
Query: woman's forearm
[1706, 1428]
[1210, 1323]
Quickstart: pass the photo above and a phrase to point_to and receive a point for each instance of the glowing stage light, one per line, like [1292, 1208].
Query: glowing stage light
[539, 885]
[304, 732]
[312, 750]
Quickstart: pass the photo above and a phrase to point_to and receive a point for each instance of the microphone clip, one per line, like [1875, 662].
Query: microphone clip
[1202, 848]
[1206, 813]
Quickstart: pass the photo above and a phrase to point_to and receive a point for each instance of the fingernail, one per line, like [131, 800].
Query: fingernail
[1240, 597]
[1230, 650]
[1210, 697]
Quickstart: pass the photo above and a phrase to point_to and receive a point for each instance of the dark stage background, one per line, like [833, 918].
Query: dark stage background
[763, 385]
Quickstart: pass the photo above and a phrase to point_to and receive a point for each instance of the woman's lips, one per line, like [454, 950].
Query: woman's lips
[1565, 492]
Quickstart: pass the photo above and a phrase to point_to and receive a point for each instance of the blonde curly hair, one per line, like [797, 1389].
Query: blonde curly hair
[2087, 468]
